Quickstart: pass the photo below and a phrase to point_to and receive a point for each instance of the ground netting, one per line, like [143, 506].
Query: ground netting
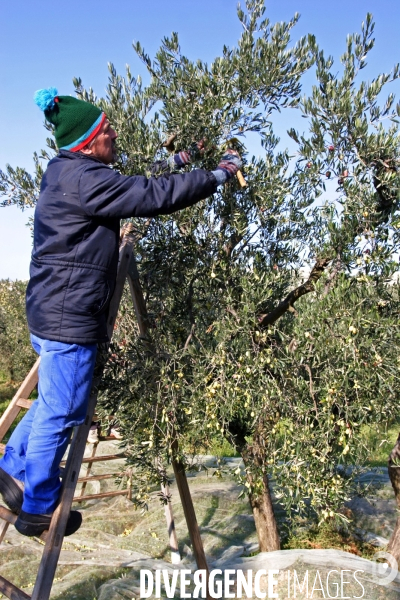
[104, 559]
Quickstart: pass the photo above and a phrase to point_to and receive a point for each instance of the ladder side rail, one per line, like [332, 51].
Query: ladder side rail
[88, 470]
[169, 517]
[125, 255]
[6, 587]
[190, 515]
[129, 484]
[24, 391]
[3, 529]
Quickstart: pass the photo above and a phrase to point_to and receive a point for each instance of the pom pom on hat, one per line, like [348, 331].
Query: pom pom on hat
[45, 99]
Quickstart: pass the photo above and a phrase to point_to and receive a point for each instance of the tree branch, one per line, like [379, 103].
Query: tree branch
[332, 278]
[234, 240]
[307, 368]
[304, 288]
[186, 346]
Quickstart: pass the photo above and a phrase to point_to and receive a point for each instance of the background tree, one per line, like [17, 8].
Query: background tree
[16, 353]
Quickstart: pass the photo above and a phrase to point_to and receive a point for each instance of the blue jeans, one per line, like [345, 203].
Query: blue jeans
[37, 445]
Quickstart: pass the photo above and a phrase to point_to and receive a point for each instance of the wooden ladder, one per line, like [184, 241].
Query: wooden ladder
[53, 538]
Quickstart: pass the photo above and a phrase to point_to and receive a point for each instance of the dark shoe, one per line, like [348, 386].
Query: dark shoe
[30, 524]
[11, 491]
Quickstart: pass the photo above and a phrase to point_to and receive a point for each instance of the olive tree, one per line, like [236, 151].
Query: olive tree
[188, 263]
[230, 354]
[221, 281]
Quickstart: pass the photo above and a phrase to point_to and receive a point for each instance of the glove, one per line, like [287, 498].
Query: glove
[177, 161]
[184, 157]
[228, 167]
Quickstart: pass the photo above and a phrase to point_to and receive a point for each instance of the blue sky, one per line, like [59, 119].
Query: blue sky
[46, 44]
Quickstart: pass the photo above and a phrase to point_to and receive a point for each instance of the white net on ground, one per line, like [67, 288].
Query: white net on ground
[104, 559]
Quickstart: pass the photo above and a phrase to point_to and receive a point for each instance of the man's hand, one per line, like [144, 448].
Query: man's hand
[228, 166]
[184, 157]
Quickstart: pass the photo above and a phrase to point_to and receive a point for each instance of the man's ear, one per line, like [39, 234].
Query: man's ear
[86, 150]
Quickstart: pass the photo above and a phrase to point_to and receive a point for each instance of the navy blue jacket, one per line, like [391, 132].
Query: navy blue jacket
[76, 235]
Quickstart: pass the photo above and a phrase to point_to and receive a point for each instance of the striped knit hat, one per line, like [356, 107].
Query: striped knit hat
[75, 122]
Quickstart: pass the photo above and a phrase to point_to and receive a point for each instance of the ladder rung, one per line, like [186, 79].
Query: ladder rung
[104, 438]
[105, 495]
[7, 515]
[99, 477]
[24, 402]
[11, 591]
[91, 459]
[10, 517]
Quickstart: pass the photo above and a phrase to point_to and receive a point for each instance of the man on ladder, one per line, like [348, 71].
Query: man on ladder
[72, 277]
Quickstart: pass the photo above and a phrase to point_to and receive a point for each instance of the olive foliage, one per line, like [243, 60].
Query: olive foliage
[16, 353]
[291, 395]
[230, 357]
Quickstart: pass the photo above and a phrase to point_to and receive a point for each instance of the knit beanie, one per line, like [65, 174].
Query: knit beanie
[75, 122]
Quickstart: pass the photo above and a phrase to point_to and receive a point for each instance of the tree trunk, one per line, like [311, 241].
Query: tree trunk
[261, 505]
[394, 474]
[264, 518]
